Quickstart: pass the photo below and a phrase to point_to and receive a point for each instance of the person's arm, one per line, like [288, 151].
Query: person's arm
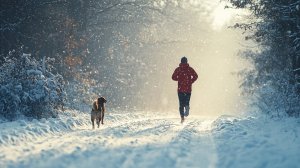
[194, 75]
[175, 75]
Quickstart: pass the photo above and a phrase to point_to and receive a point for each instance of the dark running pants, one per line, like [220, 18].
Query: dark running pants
[184, 100]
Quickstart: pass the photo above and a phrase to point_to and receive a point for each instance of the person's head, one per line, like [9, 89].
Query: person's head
[184, 60]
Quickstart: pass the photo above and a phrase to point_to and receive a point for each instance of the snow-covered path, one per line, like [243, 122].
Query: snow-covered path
[122, 142]
[147, 139]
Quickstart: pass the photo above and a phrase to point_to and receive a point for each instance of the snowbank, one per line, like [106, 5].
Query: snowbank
[24, 130]
[128, 139]
[257, 142]
[21, 131]
[149, 139]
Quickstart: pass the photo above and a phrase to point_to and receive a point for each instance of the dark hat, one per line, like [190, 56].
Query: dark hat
[184, 60]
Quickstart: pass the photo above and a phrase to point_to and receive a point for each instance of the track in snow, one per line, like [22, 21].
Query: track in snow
[125, 142]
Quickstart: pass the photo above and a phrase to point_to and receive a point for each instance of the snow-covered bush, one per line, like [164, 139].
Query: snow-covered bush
[28, 88]
[278, 98]
[272, 85]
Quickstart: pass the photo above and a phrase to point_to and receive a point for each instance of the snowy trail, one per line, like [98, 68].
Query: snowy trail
[147, 139]
[122, 142]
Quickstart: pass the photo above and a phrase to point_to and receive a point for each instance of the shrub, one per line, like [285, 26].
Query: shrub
[29, 88]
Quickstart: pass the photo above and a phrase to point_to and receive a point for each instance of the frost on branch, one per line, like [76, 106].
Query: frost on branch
[28, 88]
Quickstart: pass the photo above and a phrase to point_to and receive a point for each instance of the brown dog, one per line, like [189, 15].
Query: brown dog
[98, 111]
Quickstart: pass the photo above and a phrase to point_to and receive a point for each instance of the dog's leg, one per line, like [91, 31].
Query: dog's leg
[93, 124]
[102, 117]
[98, 120]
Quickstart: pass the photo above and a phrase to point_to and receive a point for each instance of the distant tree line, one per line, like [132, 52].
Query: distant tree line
[44, 28]
[95, 44]
[275, 78]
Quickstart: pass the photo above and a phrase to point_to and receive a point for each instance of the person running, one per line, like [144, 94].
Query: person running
[186, 76]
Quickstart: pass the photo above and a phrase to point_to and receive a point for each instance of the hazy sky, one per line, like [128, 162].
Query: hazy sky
[212, 50]
[198, 30]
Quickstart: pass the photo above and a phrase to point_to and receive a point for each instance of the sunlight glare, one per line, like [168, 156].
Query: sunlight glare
[221, 16]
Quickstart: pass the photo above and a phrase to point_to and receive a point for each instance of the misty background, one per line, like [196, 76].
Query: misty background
[127, 50]
[58, 56]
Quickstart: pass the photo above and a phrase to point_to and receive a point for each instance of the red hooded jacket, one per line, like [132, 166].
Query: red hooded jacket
[186, 76]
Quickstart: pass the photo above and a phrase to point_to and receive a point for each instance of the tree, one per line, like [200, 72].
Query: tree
[45, 28]
[98, 46]
[275, 26]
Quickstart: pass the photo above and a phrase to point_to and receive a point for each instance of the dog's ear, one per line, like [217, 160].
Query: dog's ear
[103, 100]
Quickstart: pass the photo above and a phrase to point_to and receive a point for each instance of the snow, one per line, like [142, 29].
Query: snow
[257, 142]
[34, 72]
[150, 139]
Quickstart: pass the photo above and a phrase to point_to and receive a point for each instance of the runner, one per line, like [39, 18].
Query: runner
[186, 76]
